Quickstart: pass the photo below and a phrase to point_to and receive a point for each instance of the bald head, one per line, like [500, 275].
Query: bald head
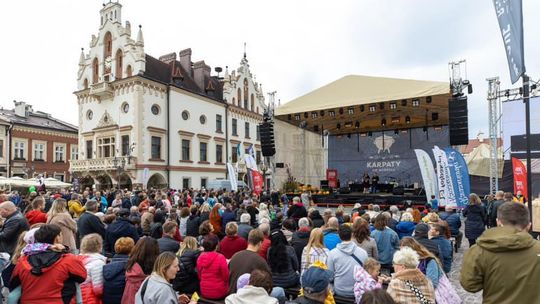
[7, 208]
[265, 229]
[333, 222]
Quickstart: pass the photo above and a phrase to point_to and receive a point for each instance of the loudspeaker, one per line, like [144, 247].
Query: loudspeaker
[458, 120]
[399, 190]
[266, 129]
[519, 142]
[280, 165]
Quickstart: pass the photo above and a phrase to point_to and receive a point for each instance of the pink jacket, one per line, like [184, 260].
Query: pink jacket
[363, 282]
[134, 279]
[213, 274]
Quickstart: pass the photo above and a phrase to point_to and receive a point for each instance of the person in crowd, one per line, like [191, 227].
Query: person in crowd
[300, 238]
[265, 229]
[183, 221]
[366, 278]
[89, 222]
[475, 222]
[139, 266]
[288, 228]
[74, 206]
[331, 237]
[244, 227]
[454, 224]
[277, 221]
[204, 229]
[428, 264]
[251, 208]
[406, 226]
[283, 262]
[297, 210]
[121, 227]
[114, 273]
[58, 215]
[500, 252]
[519, 198]
[433, 218]
[227, 216]
[327, 214]
[416, 215]
[392, 223]
[92, 287]
[157, 287]
[36, 214]
[264, 213]
[340, 211]
[387, 240]
[187, 279]
[362, 237]
[342, 260]
[193, 222]
[25, 238]
[156, 229]
[314, 250]
[48, 276]
[167, 241]
[14, 224]
[257, 291]
[315, 284]
[212, 270]
[215, 219]
[492, 209]
[421, 235]
[436, 233]
[396, 215]
[102, 201]
[204, 212]
[316, 218]
[409, 285]
[147, 219]
[247, 260]
[117, 202]
[376, 296]
[231, 243]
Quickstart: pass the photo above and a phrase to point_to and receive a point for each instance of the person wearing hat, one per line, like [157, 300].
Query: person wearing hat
[315, 285]
[421, 236]
[121, 227]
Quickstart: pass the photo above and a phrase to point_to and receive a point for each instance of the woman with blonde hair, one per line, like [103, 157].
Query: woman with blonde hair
[314, 250]
[157, 287]
[92, 287]
[59, 215]
[187, 280]
[406, 226]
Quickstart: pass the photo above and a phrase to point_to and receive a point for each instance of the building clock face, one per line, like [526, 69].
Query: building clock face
[108, 62]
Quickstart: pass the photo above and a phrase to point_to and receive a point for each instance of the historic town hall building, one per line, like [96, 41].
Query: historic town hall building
[147, 121]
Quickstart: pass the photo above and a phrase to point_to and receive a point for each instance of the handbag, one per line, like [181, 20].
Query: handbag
[446, 293]
[417, 293]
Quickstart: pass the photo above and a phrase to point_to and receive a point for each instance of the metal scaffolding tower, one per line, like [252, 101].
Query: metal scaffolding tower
[495, 132]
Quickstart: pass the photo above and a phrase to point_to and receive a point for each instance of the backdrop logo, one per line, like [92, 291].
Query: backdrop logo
[383, 143]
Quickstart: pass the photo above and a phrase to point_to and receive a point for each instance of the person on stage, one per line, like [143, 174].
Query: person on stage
[365, 182]
[374, 183]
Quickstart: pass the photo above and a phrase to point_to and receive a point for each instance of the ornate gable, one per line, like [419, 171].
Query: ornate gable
[106, 120]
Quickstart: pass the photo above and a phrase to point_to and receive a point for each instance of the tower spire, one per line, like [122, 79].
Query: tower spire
[82, 58]
[140, 39]
[245, 56]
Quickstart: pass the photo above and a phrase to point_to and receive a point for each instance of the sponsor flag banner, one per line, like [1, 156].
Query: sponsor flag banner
[428, 173]
[446, 189]
[238, 151]
[258, 181]
[510, 17]
[250, 162]
[232, 177]
[459, 175]
[331, 177]
[520, 177]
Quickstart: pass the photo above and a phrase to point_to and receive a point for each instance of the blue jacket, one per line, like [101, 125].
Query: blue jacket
[404, 229]
[453, 220]
[121, 227]
[226, 217]
[445, 252]
[114, 279]
[331, 239]
[387, 243]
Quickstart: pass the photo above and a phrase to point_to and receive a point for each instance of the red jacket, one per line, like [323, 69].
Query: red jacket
[263, 252]
[36, 216]
[53, 278]
[214, 275]
[231, 245]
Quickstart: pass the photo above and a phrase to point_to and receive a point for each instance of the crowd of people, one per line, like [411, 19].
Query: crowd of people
[170, 246]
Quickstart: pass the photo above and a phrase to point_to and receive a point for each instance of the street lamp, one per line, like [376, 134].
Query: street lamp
[120, 163]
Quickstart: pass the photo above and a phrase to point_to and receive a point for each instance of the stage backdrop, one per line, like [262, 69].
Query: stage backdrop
[390, 155]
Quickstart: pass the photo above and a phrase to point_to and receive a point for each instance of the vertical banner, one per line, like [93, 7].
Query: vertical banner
[510, 17]
[250, 162]
[331, 176]
[446, 189]
[459, 174]
[520, 177]
[428, 173]
[258, 181]
[232, 177]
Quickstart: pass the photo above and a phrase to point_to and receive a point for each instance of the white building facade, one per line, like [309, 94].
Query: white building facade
[147, 122]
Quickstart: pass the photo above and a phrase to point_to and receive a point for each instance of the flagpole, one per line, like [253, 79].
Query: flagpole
[526, 100]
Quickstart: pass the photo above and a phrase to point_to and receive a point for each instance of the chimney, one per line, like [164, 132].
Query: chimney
[20, 108]
[168, 58]
[185, 60]
[480, 137]
[201, 71]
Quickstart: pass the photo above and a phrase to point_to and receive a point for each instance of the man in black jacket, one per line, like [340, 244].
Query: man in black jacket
[167, 241]
[89, 222]
[121, 227]
[14, 225]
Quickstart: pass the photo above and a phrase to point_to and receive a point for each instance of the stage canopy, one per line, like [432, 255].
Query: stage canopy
[361, 103]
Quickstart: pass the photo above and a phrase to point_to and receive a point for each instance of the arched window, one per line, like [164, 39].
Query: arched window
[239, 97]
[85, 83]
[129, 71]
[246, 93]
[107, 45]
[252, 102]
[119, 63]
[95, 71]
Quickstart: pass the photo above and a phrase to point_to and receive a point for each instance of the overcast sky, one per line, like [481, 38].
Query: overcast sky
[293, 47]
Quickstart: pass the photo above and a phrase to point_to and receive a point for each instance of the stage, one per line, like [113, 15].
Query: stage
[382, 199]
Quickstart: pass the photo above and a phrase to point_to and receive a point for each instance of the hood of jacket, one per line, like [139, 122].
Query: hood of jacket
[407, 226]
[135, 274]
[251, 294]
[120, 226]
[42, 262]
[206, 259]
[347, 247]
[116, 267]
[504, 239]
[93, 259]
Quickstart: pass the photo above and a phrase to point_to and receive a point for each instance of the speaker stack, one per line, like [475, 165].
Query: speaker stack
[268, 146]
[458, 120]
